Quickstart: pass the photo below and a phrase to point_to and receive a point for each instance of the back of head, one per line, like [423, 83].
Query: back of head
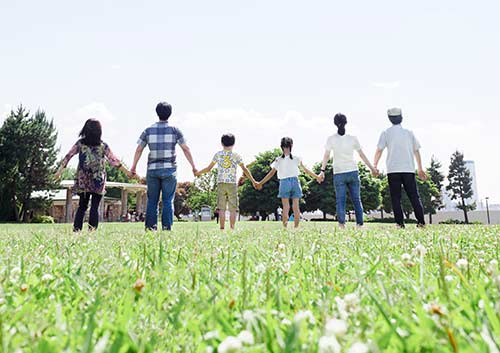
[228, 140]
[286, 142]
[395, 115]
[340, 121]
[91, 133]
[164, 110]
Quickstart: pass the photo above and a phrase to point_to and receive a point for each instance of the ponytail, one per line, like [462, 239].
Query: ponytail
[286, 142]
[340, 121]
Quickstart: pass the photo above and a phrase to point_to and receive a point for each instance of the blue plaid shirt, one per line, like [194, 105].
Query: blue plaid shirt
[161, 140]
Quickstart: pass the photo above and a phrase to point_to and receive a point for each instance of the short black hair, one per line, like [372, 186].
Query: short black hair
[228, 140]
[164, 110]
[396, 119]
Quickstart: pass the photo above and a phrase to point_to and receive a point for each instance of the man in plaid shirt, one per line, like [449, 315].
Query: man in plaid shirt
[161, 138]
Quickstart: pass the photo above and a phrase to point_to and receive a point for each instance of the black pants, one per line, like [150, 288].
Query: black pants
[408, 181]
[82, 208]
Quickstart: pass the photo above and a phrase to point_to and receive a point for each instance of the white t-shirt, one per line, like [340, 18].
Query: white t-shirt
[286, 167]
[401, 146]
[343, 148]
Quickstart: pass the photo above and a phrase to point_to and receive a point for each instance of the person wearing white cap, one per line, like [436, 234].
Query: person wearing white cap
[402, 150]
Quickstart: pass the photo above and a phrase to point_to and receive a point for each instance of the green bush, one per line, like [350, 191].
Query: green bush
[43, 219]
[456, 221]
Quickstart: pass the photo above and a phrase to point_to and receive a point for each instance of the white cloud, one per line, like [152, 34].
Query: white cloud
[116, 67]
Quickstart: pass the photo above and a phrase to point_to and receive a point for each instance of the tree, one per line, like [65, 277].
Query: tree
[203, 192]
[434, 172]
[321, 196]
[460, 184]
[181, 206]
[28, 156]
[264, 201]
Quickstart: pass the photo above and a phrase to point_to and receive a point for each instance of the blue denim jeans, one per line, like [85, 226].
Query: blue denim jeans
[164, 181]
[343, 182]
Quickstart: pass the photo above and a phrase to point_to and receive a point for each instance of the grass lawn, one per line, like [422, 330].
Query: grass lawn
[258, 289]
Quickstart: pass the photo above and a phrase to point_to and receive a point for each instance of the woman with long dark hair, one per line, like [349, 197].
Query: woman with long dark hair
[90, 179]
[345, 169]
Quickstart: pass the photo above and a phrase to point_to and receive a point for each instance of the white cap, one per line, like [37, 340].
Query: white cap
[394, 112]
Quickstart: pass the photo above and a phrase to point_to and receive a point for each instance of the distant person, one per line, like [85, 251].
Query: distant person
[161, 138]
[402, 150]
[216, 215]
[288, 168]
[227, 163]
[279, 211]
[93, 154]
[345, 169]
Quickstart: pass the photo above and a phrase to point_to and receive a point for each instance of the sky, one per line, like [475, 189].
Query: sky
[261, 70]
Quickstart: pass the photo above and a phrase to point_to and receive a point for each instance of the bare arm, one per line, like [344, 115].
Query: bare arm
[189, 157]
[378, 155]
[367, 162]
[137, 156]
[65, 161]
[206, 170]
[421, 172]
[248, 174]
[309, 172]
[268, 176]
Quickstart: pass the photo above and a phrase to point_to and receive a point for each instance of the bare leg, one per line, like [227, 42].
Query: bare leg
[232, 219]
[222, 219]
[296, 212]
[286, 211]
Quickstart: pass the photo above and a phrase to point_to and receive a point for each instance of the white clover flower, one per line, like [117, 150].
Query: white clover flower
[449, 278]
[406, 257]
[246, 337]
[420, 250]
[209, 349]
[492, 267]
[260, 268]
[47, 277]
[402, 332]
[248, 315]
[305, 315]
[358, 347]
[351, 302]
[328, 344]
[286, 322]
[462, 264]
[230, 345]
[281, 247]
[335, 327]
[211, 335]
[365, 255]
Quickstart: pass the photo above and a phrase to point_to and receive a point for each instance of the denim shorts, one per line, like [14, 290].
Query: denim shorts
[290, 188]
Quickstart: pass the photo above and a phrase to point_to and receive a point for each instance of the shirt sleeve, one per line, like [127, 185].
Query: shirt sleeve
[216, 158]
[382, 142]
[357, 145]
[327, 145]
[416, 143]
[275, 164]
[237, 159]
[74, 150]
[143, 139]
[180, 137]
[112, 159]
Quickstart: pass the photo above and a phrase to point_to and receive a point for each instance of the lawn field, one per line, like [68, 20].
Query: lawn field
[258, 289]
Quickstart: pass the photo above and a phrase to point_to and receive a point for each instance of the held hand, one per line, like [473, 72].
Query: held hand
[321, 177]
[195, 172]
[133, 171]
[258, 186]
[375, 172]
[422, 175]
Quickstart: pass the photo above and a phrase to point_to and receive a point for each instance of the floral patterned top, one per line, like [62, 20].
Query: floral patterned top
[91, 171]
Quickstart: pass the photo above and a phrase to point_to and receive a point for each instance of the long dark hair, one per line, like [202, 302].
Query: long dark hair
[340, 121]
[286, 142]
[91, 133]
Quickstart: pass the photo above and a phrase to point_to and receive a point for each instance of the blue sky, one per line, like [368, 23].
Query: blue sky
[262, 70]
